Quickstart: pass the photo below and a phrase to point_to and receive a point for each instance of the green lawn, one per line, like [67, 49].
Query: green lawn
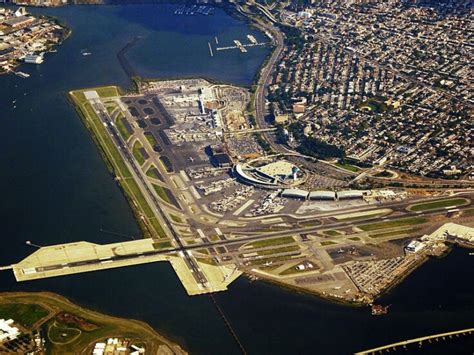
[175, 218]
[157, 227]
[287, 249]
[137, 154]
[162, 245]
[24, 314]
[349, 167]
[438, 204]
[271, 242]
[332, 233]
[107, 91]
[361, 217]
[121, 127]
[327, 242]
[151, 138]
[162, 193]
[393, 224]
[394, 233]
[59, 333]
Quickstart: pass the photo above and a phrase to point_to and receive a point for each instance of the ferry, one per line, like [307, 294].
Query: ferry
[378, 310]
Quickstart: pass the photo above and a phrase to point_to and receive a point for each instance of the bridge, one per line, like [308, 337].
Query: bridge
[404, 343]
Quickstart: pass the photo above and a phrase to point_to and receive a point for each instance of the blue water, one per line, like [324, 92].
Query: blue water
[55, 188]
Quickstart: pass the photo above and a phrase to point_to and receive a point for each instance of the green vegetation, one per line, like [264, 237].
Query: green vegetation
[269, 261]
[349, 167]
[121, 127]
[438, 204]
[137, 153]
[271, 242]
[151, 138]
[395, 233]
[175, 218]
[361, 217]
[116, 164]
[158, 228]
[327, 242]
[59, 333]
[354, 238]
[312, 146]
[72, 329]
[107, 91]
[332, 233]
[384, 174]
[25, 314]
[162, 193]
[287, 249]
[374, 105]
[162, 245]
[393, 224]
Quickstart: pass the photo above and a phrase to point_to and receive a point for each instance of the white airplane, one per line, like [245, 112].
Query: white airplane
[191, 159]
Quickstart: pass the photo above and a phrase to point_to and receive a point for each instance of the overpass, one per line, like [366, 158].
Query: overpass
[420, 340]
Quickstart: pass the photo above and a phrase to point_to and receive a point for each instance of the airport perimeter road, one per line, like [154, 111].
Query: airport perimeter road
[129, 159]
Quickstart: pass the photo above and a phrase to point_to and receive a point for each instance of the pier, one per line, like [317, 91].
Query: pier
[241, 46]
[210, 49]
[419, 341]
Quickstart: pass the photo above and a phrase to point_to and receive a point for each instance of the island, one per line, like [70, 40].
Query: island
[40, 321]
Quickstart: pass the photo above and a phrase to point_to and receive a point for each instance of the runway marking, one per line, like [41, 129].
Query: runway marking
[243, 207]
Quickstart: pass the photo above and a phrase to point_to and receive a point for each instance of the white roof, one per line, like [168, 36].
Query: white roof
[295, 193]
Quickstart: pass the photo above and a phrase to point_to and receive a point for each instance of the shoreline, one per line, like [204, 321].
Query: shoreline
[57, 303]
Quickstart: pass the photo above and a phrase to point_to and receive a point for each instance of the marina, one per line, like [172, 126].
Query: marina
[194, 10]
[242, 47]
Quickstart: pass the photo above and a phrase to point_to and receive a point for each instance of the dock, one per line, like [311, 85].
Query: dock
[242, 47]
[79, 257]
[210, 49]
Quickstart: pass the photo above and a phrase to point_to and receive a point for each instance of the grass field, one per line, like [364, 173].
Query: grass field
[151, 138]
[393, 224]
[137, 154]
[394, 233]
[349, 167]
[162, 193]
[61, 334]
[332, 233]
[121, 127]
[438, 204]
[287, 249]
[327, 242]
[68, 338]
[271, 242]
[25, 314]
[175, 218]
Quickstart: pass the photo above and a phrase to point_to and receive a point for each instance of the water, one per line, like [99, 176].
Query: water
[55, 188]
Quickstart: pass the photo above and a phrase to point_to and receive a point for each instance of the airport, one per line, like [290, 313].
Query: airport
[214, 205]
